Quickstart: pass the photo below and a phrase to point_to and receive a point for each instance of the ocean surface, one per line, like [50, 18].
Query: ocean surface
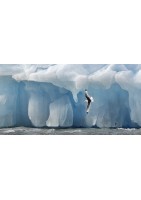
[69, 131]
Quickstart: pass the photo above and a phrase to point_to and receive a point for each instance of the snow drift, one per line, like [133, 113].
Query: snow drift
[53, 95]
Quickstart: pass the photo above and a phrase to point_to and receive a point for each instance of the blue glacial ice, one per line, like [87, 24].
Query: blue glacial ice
[53, 95]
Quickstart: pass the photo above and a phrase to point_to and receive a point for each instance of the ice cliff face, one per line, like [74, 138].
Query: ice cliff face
[53, 95]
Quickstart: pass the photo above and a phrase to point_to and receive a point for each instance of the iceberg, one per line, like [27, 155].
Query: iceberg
[52, 95]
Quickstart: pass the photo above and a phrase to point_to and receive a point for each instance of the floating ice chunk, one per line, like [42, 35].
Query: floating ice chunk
[53, 95]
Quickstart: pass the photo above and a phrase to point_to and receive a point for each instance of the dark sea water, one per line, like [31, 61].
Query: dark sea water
[69, 131]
